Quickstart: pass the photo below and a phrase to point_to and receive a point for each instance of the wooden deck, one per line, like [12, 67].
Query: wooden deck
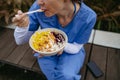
[108, 59]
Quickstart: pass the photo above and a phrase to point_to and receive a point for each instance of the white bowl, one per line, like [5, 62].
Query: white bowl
[53, 52]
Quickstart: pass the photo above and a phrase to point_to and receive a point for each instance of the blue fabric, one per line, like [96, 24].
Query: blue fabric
[65, 66]
[78, 30]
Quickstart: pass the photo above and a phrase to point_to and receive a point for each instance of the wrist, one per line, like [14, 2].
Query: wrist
[73, 48]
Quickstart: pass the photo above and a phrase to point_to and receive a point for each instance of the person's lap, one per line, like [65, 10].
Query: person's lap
[47, 65]
[63, 67]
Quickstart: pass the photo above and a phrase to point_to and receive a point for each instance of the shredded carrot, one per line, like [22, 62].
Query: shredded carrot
[43, 41]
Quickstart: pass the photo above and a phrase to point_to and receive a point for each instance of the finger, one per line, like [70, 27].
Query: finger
[41, 55]
[33, 52]
[24, 22]
[20, 12]
[13, 19]
[60, 52]
[18, 17]
[19, 23]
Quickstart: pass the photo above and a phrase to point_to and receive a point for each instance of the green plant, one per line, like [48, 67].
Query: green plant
[108, 14]
[8, 9]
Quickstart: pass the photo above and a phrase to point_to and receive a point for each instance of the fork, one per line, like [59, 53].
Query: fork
[30, 12]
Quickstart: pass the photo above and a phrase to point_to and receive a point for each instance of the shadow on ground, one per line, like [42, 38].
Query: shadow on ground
[8, 72]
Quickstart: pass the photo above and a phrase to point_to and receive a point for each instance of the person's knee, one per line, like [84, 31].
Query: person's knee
[63, 75]
[67, 75]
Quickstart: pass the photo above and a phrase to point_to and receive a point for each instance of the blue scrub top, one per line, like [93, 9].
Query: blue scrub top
[78, 30]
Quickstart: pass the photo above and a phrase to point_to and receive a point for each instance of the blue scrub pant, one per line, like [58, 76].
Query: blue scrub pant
[63, 67]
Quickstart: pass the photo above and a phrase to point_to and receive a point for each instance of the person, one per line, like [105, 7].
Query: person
[73, 17]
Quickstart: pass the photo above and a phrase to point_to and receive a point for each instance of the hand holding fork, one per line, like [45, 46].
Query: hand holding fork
[21, 19]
